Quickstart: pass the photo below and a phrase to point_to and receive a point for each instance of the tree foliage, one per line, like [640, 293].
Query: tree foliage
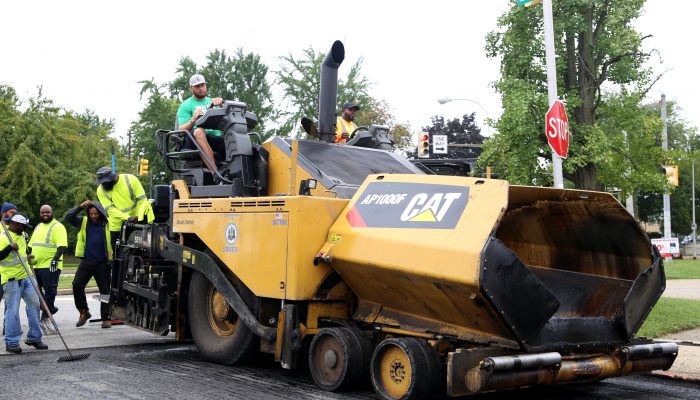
[464, 131]
[300, 81]
[158, 113]
[684, 145]
[600, 75]
[51, 154]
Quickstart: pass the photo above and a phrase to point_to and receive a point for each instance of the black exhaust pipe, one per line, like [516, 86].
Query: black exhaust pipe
[328, 93]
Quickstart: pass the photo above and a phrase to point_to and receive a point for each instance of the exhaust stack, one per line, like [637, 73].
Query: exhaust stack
[327, 97]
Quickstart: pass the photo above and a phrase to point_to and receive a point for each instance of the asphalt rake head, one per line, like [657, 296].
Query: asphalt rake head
[77, 357]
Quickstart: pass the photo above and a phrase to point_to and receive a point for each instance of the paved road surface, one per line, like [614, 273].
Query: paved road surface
[176, 371]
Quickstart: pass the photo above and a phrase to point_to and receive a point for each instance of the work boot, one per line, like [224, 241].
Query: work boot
[37, 345]
[13, 348]
[84, 317]
[106, 324]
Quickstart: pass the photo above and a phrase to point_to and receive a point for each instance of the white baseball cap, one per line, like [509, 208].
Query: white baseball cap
[21, 219]
[197, 79]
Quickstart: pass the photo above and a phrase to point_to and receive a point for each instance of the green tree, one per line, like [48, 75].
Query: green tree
[158, 113]
[378, 112]
[51, 154]
[300, 80]
[684, 145]
[458, 131]
[597, 47]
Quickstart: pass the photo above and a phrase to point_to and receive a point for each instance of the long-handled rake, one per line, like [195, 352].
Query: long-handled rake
[30, 272]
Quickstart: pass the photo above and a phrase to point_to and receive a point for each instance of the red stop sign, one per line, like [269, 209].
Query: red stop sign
[557, 128]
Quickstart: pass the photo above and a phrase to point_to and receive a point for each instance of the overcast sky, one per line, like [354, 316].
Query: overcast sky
[91, 54]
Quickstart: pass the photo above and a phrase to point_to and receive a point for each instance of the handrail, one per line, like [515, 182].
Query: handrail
[165, 151]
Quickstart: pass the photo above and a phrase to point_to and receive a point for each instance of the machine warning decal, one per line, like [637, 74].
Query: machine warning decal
[409, 205]
[335, 238]
[231, 233]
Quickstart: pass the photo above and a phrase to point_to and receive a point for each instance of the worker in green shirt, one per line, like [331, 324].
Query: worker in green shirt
[210, 140]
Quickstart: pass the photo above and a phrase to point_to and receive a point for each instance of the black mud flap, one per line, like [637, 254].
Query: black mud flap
[518, 295]
[645, 292]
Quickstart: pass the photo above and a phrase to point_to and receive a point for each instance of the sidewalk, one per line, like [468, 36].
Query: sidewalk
[683, 289]
[89, 335]
[687, 365]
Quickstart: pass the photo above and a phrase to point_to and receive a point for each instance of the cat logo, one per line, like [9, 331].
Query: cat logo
[409, 205]
[423, 209]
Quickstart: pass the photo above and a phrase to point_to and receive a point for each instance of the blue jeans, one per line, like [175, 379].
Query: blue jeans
[14, 291]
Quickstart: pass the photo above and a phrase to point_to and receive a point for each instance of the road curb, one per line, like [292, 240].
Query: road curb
[678, 342]
[677, 376]
[62, 292]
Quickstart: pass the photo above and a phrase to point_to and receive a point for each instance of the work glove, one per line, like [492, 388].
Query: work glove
[54, 265]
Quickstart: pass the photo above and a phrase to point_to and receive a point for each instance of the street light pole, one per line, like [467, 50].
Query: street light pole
[445, 100]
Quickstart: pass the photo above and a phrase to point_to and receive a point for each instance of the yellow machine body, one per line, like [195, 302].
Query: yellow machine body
[269, 243]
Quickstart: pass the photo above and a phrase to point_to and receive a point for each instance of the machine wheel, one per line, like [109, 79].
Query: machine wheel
[405, 368]
[217, 331]
[339, 358]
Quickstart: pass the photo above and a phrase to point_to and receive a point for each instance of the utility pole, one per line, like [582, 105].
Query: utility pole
[551, 81]
[629, 201]
[667, 196]
[694, 226]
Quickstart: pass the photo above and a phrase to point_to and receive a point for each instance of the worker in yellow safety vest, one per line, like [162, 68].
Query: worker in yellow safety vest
[94, 249]
[7, 210]
[47, 244]
[124, 199]
[18, 285]
[344, 125]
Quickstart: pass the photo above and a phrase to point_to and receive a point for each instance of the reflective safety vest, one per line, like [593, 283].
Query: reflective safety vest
[341, 125]
[46, 238]
[80, 245]
[126, 199]
[11, 266]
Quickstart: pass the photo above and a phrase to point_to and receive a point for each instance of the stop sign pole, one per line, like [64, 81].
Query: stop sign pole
[551, 81]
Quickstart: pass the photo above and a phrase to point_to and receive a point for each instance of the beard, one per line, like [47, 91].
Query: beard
[46, 219]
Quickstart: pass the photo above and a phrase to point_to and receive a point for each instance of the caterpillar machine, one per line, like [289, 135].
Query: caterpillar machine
[349, 256]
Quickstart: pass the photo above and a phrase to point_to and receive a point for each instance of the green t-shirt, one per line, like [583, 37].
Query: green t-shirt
[187, 108]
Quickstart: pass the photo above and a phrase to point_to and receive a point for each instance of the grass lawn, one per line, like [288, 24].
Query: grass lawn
[69, 268]
[671, 315]
[66, 282]
[683, 269]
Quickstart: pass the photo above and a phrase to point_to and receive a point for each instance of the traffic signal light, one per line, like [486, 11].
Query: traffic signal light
[671, 172]
[143, 167]
[424, 145]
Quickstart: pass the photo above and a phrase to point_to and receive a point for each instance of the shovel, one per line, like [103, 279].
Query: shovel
[30, 272]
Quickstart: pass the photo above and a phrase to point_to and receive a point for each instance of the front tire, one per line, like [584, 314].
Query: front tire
[218, 333]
